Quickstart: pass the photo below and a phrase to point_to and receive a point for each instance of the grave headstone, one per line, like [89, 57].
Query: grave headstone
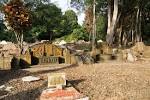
[56, 79]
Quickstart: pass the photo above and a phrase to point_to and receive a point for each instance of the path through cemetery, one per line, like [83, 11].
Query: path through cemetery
[104, 81]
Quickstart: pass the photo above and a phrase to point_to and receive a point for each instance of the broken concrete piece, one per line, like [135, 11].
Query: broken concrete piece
[85, 98]
[9, 89]
[130, 56]
[3, 42]
[62, 42]
[2, 86]
[30, 79]
[3, 94]
[56, 80]
[100, 41]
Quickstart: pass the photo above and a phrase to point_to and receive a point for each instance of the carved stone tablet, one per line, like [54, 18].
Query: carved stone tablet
[56, 79]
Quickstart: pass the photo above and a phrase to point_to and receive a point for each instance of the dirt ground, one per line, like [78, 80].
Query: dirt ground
[103, 81]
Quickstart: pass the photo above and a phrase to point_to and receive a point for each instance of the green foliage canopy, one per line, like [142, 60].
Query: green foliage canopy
[47, 18]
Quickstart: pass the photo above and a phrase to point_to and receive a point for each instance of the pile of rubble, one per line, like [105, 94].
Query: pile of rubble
[7, 49]
[136, 53]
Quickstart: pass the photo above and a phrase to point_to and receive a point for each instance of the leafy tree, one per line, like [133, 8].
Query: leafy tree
[88, 23]
[77, 34]
[126, 18]
[101, 27]
[71, 18]
[130, 22]
[46, 23]
[17, 19]
[70, 21]
[93, 24]
[146, 23]
[4, 34]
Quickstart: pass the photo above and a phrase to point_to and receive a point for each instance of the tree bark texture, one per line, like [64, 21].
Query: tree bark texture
[112, 21]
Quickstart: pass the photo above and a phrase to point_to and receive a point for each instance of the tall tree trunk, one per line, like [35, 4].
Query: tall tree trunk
[21, 45]
[140, 22]
[94, 27]
[138, 25]
[93, 53]
[109, 16]
[120, 36]
[113, 23]
[19, 38]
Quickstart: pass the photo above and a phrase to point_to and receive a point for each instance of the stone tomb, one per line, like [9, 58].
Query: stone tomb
[54, 92]
[43, 53]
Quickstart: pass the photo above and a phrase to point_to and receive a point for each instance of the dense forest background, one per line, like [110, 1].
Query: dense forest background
[49, 23]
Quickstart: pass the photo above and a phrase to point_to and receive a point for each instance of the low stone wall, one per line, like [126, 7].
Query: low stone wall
[69, 58]
[5, 63]
[25, 60]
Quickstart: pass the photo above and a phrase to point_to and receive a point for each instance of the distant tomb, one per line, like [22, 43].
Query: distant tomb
[43, 53]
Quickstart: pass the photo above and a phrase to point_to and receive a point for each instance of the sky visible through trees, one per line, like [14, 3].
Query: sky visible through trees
[65, 5]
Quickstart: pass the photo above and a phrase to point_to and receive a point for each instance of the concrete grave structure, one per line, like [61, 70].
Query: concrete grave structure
[47, 53]
[36, 54]
[68, 93]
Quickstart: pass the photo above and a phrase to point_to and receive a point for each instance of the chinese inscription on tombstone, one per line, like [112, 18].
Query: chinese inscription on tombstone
[56, 79]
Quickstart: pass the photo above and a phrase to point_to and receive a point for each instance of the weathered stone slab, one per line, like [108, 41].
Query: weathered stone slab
[69, 93]
[56, 79]
[30, 79]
